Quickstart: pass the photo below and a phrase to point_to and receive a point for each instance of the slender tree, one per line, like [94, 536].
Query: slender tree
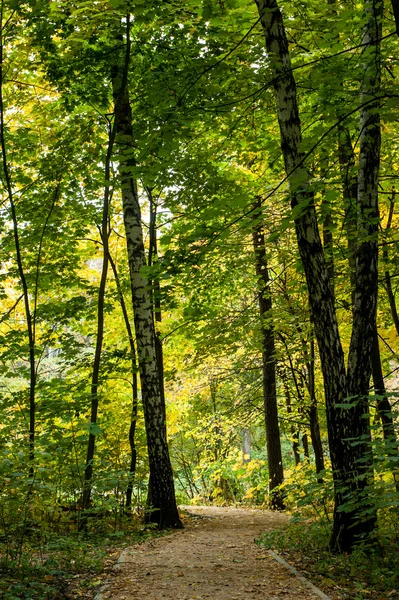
[155, 285]
[135, 393]
[385, 257]
[274, 457]
[88, 474]
[313, 412]
[30, 324]
[162, 508]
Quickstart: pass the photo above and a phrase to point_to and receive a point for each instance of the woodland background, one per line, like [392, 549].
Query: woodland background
[178, 101]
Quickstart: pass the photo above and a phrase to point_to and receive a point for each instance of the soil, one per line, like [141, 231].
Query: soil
[214, 557]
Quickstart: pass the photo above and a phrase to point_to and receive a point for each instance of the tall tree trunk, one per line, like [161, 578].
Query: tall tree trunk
[294, 431]
[366, 289]
[161, 496]
[274, 457]
[328, 224]
[384, 410]
[343, 423]
[104, 233]
[383, 405]
[21, 271]
[349, 189]
[385, 256]
[156, 288]
[305, 444]
[347, 162]
[313, 414]
[135, 395]
[246, 445]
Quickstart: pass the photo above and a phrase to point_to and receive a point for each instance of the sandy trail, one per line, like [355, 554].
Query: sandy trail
[213, 557]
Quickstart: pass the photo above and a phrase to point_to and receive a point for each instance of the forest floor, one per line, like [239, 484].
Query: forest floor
[213, 557]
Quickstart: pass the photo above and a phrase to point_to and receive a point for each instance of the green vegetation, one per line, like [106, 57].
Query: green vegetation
[359, 576]
[198, 266]
[47, 564]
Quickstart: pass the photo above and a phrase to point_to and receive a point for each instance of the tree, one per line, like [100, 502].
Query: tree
[275, 461]
[162, 507]
[345, 391]
[30, 319]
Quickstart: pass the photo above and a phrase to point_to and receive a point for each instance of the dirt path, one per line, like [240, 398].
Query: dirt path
[213, 557]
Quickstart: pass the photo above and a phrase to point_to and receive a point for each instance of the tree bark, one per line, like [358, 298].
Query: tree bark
[384, 410]
[135, 395]
[343, 423]
[246, 445]
[366, 289]
[293, 429]
[383, 405]
[156, 288]
[162, 508]
[395, 9]
[313, 413]
[385, 256]
[392, 300]
[273, 443]
[347, 165]
[305, 444]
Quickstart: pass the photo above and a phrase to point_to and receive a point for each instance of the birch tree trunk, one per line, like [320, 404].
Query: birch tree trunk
[161, 496]
[343, 423]
[156, 288]
[246, 445]
[135, 393]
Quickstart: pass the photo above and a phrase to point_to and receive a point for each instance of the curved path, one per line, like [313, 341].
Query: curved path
[213, 557]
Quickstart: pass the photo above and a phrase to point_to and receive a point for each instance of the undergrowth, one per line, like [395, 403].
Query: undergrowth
[368, 572]
[362, 575]
[53, 566]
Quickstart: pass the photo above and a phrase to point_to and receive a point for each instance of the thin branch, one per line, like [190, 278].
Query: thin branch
[3, 318]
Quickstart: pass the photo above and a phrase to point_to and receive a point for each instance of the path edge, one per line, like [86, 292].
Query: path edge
[305, 581]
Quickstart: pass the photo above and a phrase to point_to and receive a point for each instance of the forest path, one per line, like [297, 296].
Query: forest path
[214, 557]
